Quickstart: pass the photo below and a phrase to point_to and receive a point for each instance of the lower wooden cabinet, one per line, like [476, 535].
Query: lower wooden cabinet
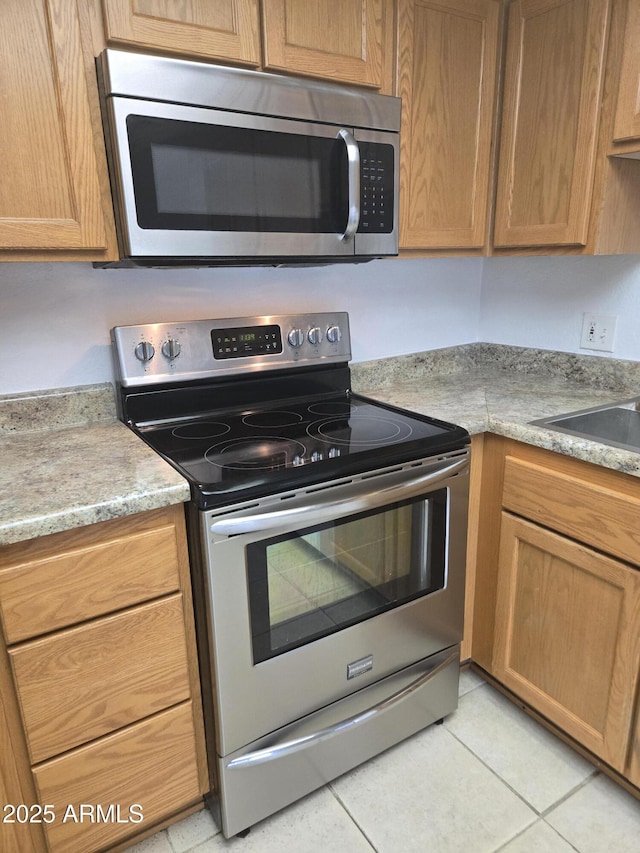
[137, 776]
[567, 637]
[634, 761]
[557, 595]
[99, 684]
[80, 684]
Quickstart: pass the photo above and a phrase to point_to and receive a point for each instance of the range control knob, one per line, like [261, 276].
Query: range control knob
[315, 336]
[334, 335]
[145, 351]
[295, 337]
[171, 349]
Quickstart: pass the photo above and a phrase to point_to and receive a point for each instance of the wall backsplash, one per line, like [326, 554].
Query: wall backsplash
[57, 316]
[539, 302]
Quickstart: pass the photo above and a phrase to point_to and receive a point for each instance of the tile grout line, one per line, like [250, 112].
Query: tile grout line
[527, 828]
[593, 775]
[330, 788]
[559, 802]
[540, 815]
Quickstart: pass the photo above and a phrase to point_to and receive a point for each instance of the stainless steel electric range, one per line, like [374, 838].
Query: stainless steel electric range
[327, 536]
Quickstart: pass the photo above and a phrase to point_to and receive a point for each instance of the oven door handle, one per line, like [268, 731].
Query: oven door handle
[295, 744]
[312, 513]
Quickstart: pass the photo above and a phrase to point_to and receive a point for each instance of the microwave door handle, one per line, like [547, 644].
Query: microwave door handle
[311, 514]
[353, 176]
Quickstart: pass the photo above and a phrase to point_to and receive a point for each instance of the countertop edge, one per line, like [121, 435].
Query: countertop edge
[485, 388]
[82, 516]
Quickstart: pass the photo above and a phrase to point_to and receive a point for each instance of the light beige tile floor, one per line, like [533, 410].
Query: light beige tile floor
[490, 779]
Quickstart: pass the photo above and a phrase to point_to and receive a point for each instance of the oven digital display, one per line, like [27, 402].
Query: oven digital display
[246, 341]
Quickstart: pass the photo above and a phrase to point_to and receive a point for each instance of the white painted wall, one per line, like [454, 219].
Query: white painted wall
[539, 302]
[56, 317]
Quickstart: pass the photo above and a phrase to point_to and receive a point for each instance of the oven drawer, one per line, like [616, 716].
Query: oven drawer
[85, 682]
[151, 765]
[65, 578]
[270, 773]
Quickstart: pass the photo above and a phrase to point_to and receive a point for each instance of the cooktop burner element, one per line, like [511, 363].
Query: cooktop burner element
[217, 455]
[244, 426]
[254, 454]
[268, 420]
[200, 430]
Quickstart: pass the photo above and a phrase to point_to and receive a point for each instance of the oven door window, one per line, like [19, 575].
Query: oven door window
[313, 582]
[194, 176]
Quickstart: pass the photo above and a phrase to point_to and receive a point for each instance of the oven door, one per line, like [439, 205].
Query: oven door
[206, 183]
[316, 595]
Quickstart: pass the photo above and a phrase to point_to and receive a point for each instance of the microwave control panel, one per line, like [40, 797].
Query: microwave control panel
[376, 188]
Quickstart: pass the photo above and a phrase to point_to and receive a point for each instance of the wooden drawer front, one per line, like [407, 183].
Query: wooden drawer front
[82, 582]
[591, 513]
[152, 764]
[88, 681]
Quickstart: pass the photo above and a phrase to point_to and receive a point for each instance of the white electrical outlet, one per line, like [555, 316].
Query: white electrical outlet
[598, 331]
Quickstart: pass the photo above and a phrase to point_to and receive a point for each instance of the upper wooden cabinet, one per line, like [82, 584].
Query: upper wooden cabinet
[51, 196]
[447, 78]
[551, 108]
[333, 39]
[553, 190]
[627, 120]
[342, 40]
[213, 29]
[558, 191]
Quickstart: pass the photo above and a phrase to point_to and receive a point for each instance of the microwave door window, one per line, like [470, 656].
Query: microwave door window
[201, 177]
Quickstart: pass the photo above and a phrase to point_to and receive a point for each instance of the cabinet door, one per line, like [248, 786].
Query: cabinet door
[627, 122]
[50, 196]
[633, 773]
[567, 635]
[553, 86]
[447, 80]
[212, 29]
[335, 39]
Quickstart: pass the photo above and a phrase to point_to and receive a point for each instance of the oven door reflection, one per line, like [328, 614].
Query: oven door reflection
[311, 583]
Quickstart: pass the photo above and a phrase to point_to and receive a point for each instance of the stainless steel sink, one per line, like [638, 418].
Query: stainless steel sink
[617, 424]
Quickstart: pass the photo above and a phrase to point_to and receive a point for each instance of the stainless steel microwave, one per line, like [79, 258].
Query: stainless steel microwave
[215, 165]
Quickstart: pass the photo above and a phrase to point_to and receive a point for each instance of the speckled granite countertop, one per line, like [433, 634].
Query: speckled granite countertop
[67, 461]
[501, 389]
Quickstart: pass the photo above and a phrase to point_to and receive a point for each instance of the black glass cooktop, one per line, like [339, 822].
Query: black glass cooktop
[228, 457]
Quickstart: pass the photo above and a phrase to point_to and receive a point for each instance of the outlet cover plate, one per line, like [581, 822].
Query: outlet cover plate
[598, 331]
